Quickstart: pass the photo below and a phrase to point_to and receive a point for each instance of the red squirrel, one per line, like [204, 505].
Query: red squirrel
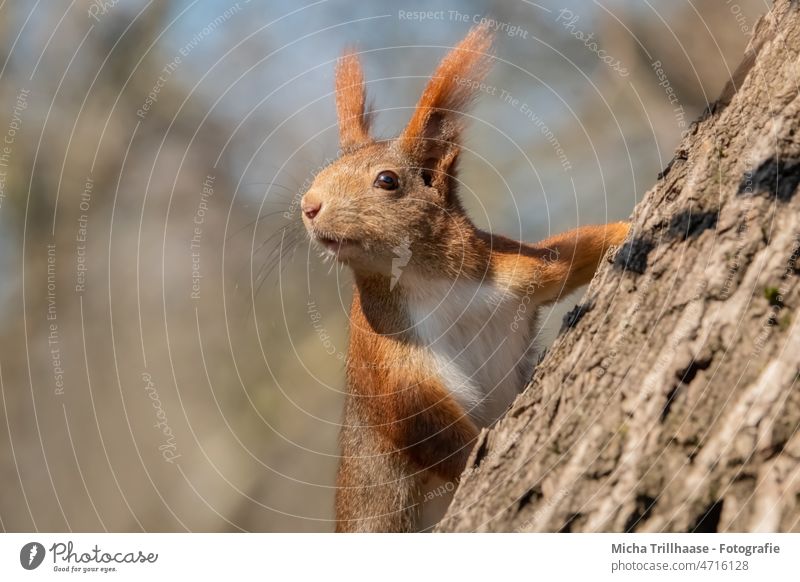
[443, 313]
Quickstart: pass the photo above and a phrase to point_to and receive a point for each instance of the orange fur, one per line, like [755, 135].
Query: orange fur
[404, 426]
[351, 102]
[448, 92]
[555, 267]
[400, 424]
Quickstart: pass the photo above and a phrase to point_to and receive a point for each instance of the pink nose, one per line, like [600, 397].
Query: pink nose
[310, 207]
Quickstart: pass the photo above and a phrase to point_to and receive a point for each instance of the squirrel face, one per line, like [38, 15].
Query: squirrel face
[397, 198]
[370, 206]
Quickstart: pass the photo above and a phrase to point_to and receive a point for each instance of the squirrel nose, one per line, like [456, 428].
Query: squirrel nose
[310, 205]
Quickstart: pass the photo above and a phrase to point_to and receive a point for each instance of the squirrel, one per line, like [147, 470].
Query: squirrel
[443, 314]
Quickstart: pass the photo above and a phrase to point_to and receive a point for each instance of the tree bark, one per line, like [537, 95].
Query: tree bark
[670, 401]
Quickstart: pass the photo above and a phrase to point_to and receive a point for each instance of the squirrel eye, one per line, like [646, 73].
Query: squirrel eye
[387, 180]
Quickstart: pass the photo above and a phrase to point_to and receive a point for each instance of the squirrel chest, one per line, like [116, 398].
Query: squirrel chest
[476, 339]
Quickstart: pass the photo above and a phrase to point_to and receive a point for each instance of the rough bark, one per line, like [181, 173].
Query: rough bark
[670, 401]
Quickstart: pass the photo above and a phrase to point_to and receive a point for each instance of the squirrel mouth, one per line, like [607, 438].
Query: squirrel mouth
[333, 244]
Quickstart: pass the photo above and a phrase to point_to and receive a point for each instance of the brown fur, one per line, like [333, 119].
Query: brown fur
[401, 425]
[449, 91]
[351, 97]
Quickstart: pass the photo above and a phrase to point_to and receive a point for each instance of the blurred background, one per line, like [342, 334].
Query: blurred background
[171, 349]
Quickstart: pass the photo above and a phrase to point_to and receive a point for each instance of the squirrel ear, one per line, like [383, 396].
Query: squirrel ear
[436, 122]
[351, 108]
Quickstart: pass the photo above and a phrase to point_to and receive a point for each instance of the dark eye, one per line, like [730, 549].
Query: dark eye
[387, 180]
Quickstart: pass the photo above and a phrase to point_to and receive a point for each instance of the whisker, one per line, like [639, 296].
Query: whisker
[267, 268]
[256, 251]
[276, 254]
[289, 227]
[260, 218]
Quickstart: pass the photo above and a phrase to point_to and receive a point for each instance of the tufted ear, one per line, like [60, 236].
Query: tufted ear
[431, 137]
[351, 107]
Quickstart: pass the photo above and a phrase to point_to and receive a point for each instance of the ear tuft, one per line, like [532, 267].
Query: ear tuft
[449, 92]
[351, 97]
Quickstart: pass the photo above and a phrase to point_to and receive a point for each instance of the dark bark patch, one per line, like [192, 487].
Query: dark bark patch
[708, 520]
[687, 374]
[690, 223]
[574, 315]
[681, 155]
[554, 408]
[633, 255]
[641, 513]
[673, 394]
[773, 295]
[775, 177]
[567, 527]
[532, 494]
[481, 452]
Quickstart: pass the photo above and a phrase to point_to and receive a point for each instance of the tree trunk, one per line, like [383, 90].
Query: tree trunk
[670, 401]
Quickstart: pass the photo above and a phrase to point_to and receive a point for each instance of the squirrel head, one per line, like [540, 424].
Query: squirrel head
[396, 198]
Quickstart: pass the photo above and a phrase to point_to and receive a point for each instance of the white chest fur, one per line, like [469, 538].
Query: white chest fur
[478, 337]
